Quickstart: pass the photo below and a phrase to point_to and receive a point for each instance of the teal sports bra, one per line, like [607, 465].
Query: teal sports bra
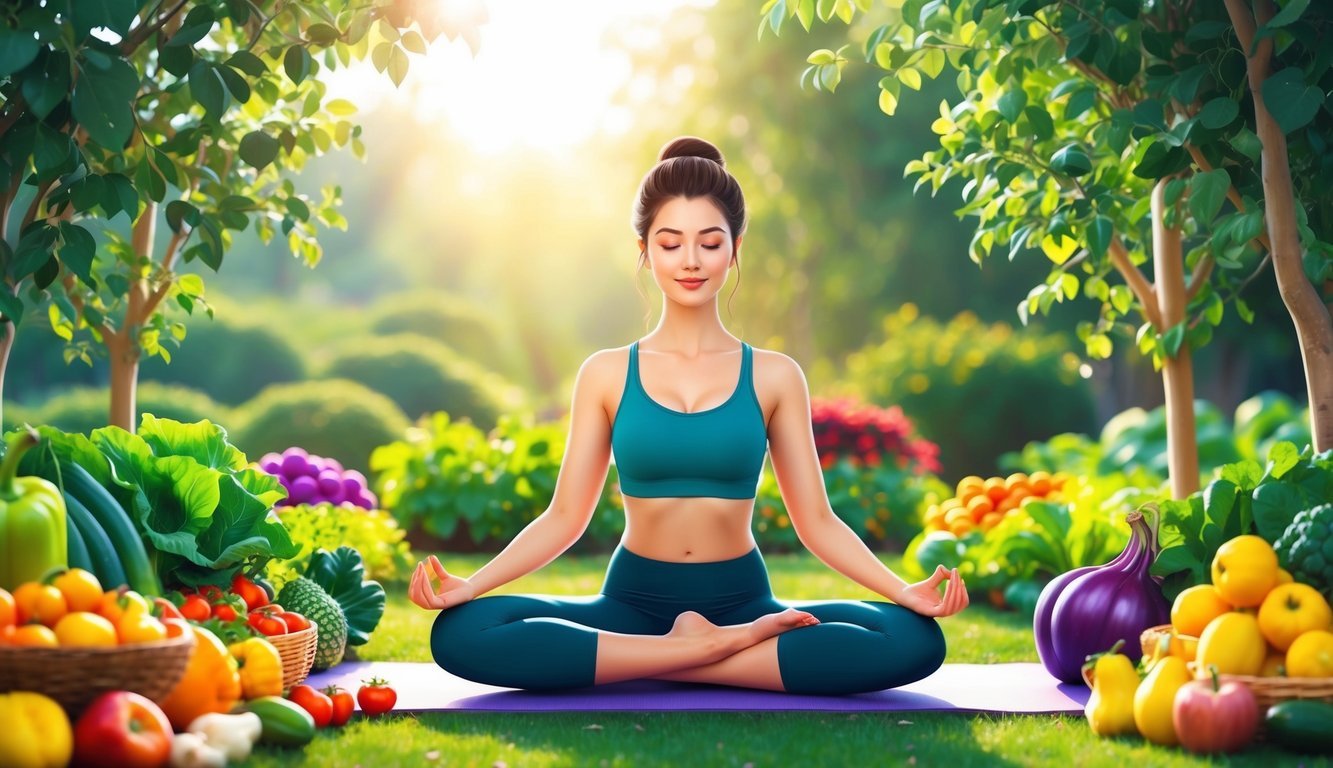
[661, 452]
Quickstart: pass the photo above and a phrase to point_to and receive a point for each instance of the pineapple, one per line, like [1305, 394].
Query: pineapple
[310, 600]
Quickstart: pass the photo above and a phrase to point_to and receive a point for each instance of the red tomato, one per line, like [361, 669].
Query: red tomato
[253, 594]
[212, 593]
[319, 705]
[267, 625]
[343, 704]
[295, 622]
[376, 697]
[121, 729]
[165, 609]
[196, 608]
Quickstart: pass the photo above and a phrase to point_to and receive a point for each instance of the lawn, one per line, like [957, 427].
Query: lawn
[980, 634]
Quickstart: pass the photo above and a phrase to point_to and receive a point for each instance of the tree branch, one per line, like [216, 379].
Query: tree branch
[136, 37]
[37, 199]
[1137, 283]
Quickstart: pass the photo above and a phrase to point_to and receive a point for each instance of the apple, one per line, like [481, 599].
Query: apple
[122, 729]
[1213, 717]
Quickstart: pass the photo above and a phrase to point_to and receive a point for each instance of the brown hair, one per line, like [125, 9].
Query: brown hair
[690, 167]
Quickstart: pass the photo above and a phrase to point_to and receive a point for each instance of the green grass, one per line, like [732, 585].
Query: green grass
[980, 634]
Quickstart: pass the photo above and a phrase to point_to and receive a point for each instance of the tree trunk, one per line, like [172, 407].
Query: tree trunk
[1314, 326]
[123, 353]
[1182, 442]
[7, 333]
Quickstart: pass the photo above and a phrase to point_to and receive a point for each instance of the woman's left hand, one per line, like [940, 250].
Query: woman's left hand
[923, 597]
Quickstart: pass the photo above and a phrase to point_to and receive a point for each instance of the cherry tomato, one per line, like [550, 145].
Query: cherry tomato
[224, 612]
[196, 608]
[41, 603]
[319, 705]
[267, 625]
[295, 622]
[376, 697]
[81, 589]
[253, 595]
[212, 593]
[343, 704]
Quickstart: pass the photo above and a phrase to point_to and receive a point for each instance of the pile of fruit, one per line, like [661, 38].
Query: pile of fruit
[72, 610]
[981, 503]
[1252, 621]
[313, 479]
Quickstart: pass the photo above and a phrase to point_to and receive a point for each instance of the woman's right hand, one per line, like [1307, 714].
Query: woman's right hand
[453, 590]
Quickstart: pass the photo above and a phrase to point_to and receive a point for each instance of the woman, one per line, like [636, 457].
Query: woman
[686, 595]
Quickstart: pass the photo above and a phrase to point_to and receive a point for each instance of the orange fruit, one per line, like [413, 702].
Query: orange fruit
[1195, 607]
[955, 515]
[8, 610]
[1017, 478]
[39, 602]
[991, 520]
[81, 589]
[968, 483]
[980, 507]
[1040, 482]
[34, 636]
[935, 514]
[1058, 481]
[85, 629]
[961, 526]
[996, 489]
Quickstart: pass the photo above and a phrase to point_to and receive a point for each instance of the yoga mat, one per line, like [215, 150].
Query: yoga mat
[1014, 687]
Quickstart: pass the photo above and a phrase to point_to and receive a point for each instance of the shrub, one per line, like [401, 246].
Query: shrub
[372, 532]
[975, 390]
[40, 355]
[230, 361]
[84, 409]
[866, 435]
[450, 320]
[421, 376]
[334, 418]
[14, 416]
[449, 475]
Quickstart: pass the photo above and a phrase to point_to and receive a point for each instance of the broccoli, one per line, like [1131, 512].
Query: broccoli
[1305, 549]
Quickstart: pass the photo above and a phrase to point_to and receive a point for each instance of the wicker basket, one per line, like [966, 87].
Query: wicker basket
[1267, 690]
[76, 676]
[1151, 638]
[298, 654]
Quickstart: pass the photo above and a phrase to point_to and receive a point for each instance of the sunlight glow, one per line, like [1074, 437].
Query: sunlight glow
[543, 78]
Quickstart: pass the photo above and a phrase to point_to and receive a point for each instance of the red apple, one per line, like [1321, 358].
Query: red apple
[1214, 718]
[122, 729]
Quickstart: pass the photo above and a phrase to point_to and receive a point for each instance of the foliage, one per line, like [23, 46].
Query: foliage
[336, 418]
[46, 367]
[420, 375]
[882, 503]
[202, 512]
[197, 107]
[1134, 440]
[15, 416]
[973, 389]
[454, 321]
[1246, 498]
[372, 532]
[84, 409]
[448, 473]
[232, 361]
[867, 435]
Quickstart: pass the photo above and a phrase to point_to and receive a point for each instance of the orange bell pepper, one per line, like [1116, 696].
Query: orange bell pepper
[212, 682]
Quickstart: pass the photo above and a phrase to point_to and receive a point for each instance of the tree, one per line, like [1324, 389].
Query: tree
[1094, 130]
[187, 112]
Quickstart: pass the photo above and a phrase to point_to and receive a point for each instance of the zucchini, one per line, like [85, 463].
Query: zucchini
[105, 562]
[1301, 725]
[119, 528]
[76, 552]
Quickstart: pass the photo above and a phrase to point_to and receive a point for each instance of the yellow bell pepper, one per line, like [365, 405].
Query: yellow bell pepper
[260, 665]
[1110, 708]
[212, 682]
[1155, 697]
[36, 732]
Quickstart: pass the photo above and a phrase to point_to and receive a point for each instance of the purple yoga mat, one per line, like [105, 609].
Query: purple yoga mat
[1015, 687]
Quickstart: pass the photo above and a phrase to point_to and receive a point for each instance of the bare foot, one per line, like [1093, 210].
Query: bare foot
[692, 623]
[765, 627]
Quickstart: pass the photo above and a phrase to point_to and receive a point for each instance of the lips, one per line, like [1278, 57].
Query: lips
[690, 282]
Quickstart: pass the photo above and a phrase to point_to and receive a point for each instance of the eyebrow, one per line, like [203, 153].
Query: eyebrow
[678, 232]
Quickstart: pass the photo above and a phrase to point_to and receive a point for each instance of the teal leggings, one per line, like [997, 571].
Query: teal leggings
[542, 642]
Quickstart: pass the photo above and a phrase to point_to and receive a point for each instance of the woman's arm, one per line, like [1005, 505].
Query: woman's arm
[796, 466]
[577, 489]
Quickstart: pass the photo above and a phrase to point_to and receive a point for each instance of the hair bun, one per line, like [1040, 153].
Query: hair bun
[691, 146]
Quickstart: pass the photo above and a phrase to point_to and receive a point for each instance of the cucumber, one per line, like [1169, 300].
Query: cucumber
[119, 528]
[105, 562]
[1301, 725]
[76, 553]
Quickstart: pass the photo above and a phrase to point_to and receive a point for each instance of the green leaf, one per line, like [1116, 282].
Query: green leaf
[1099, 235]
[18, 48]
[1071, 160]
[1218, 112]
[248, 63]
[258, 149]
[874, 40]
[296, 63]
[11, 307]
[1207, 192]
[102, 103]
[207, 88]
[179, 211]
[398, 65]
[1293, 11]
[203, 441]
[48, 85]
[342, 574]
[239, 88]
[78, 251]
[1275, 504]
[1282, 458]
[198, 22]
[1172, 339]
[1039, 122]
[148, 178]
[805, 13]
[115, 15]
[1011, 104]
[1291, 101]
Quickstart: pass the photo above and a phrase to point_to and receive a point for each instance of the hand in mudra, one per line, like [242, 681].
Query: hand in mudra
[924, 598]
[453, 589]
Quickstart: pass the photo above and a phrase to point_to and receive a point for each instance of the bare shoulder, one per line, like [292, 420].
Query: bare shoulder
[779, 372]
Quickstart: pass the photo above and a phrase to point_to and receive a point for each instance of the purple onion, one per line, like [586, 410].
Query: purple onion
[303, 489]
[1091, 611]
[330, 486]
[364, 500]
[294, 466]
[271, 466]
[295, 450]
[333, 464]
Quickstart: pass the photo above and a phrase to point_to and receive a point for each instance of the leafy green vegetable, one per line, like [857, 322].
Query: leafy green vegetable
[372, 532]
[342, 574]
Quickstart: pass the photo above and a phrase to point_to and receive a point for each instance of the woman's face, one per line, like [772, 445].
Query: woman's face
[689, 241]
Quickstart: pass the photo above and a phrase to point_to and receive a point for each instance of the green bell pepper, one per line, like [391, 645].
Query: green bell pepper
[32, 519]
